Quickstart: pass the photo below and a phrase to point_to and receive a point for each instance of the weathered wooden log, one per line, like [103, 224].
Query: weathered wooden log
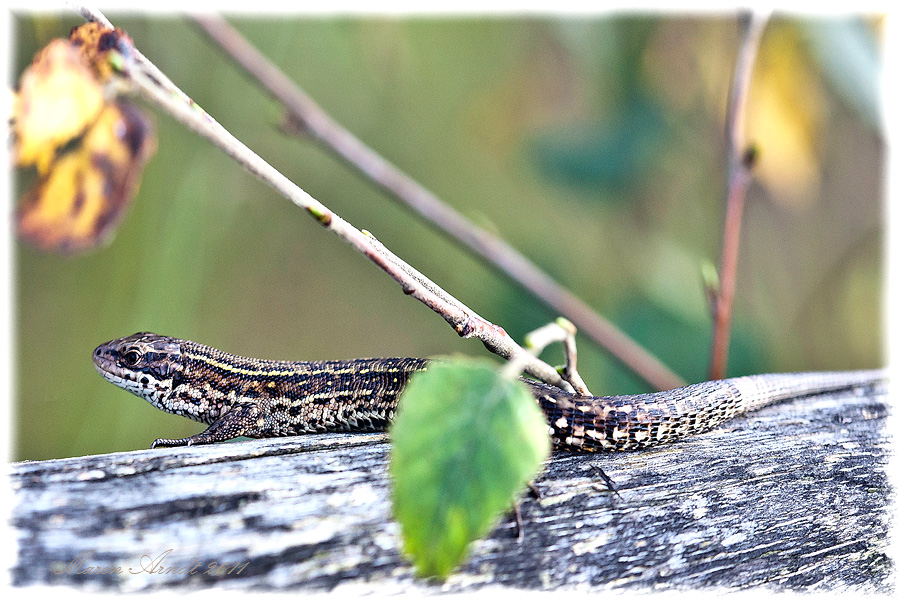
[793, 497]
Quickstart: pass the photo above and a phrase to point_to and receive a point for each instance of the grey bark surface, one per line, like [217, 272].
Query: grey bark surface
[794, 496]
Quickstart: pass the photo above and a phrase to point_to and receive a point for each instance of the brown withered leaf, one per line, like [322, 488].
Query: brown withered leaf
[78, 203]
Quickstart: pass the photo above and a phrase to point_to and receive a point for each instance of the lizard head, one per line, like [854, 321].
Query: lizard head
[145, 364]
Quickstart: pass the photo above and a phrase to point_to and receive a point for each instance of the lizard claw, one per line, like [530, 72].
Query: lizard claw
[167, 443]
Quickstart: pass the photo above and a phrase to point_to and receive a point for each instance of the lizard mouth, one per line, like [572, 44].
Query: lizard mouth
[106, 364]
[123, 382]
[106, 360]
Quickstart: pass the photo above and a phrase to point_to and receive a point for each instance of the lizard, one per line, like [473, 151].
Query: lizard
[238, 396]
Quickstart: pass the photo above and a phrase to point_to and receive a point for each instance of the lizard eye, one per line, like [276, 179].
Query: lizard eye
[131, 358]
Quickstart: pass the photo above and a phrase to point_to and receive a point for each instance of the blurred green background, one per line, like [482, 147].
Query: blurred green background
[594, 145]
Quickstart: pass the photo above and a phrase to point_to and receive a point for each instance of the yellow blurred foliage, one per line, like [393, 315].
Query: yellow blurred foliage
[84, 196]
[784, 115]
[89, 150]
[58, 98]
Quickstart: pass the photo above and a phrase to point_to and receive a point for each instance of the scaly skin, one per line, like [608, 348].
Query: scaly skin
[250, 397]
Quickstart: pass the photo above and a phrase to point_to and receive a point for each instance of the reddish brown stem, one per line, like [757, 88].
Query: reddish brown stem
[724, 300]
[741, 161]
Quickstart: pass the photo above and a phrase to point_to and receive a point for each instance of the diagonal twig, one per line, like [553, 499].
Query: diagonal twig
[151, 85]
[740, 163]
[315, 122]
[563, 331]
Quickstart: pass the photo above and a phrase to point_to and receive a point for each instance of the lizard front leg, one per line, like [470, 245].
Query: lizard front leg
[240, 420]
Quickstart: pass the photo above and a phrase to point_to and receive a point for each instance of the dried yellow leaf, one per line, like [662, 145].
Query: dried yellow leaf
[78, 203]
[58, 98]
[95, 41]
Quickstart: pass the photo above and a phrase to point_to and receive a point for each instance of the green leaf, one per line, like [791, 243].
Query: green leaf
[465, 442]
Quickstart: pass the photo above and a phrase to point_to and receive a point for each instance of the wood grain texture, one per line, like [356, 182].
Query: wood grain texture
[794, 496]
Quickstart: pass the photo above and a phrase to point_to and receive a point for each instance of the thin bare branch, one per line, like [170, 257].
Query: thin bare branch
[740, 163]
[570, 373]
[89, 13]
[92, 14]
[161, 92]
[309, 118]
[535, 341]
[562, 330]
